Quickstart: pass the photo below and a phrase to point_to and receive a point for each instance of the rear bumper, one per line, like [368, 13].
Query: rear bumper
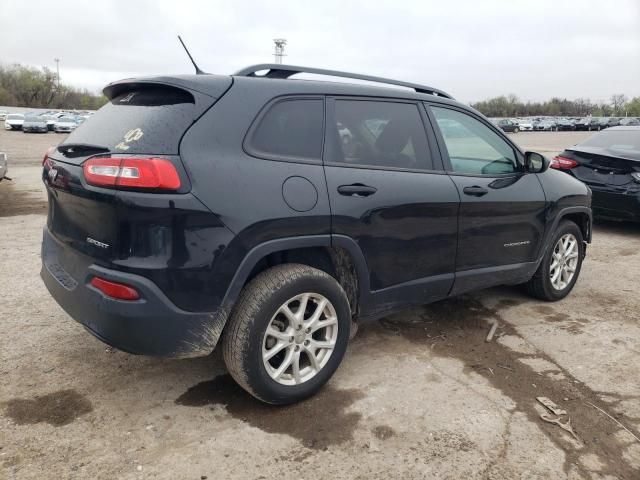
[152, 325]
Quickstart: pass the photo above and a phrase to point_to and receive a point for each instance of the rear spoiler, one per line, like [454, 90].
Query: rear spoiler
[207, 87]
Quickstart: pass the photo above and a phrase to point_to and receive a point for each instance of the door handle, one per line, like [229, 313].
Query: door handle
[476, 191]
[356, 190]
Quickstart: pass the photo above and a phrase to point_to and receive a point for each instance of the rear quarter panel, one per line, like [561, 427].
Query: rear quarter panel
[244, 191]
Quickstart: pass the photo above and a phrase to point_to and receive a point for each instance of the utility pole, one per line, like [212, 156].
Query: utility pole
[279, 49]
[57, 60]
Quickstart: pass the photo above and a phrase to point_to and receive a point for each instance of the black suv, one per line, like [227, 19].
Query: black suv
[272, 214]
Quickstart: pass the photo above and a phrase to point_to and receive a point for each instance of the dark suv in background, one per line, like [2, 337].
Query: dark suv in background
[273, 214]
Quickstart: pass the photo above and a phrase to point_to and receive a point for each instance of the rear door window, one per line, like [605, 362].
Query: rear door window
[379, 134]
[149, 120]
[290, 129]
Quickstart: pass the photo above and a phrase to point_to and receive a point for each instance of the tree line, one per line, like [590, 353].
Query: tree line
[510, 106]
[30, 87]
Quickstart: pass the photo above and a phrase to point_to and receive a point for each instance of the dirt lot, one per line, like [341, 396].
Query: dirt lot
[419, 394]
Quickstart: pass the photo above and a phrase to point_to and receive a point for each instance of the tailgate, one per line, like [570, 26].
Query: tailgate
[143, 118]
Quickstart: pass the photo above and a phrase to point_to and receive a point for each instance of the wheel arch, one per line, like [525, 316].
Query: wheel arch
[584, 221]
[337, 255]
[580, 215]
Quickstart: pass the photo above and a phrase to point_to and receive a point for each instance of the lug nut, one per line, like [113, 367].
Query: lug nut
[308, 330]
[299, 327]
[291, 339]
[306, 343]
[297, 348]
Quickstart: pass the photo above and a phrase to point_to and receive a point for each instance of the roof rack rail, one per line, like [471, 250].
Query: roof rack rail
[277, 70]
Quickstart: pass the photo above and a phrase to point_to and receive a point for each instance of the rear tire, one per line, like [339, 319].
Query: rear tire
[560, 267]
[271, 345]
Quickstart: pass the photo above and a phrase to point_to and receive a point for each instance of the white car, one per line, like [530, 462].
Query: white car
[65, 125]
[14, 121]
[3, 114]
[525, 125]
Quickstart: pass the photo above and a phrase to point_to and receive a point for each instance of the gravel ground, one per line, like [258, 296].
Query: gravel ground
[419, 395]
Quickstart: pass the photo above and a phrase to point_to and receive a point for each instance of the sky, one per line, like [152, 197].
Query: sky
[471, 49]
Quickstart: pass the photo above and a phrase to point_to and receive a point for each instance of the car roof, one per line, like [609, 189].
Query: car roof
[329, 87]
[209, 84]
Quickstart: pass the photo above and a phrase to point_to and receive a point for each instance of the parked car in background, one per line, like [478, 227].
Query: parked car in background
[546, 126]
[608, 163]
[525, 125]
[4, 167]
[587, 124]
[508, 125]
[160, 252]
[451, 129]
[80, 119]
[3, 114]
[629, 122]
[65, 124]
[564, 124]
[51, 121]
[14, 121]
[595, 125]
[613, 122]
[34, 124]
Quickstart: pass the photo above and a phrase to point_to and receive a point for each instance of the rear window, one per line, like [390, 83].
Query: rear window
[291, 128]
[619, 142]
[149, 120]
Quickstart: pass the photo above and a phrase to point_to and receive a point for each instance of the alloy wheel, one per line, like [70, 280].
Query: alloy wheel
[564, 261]
[300, 339]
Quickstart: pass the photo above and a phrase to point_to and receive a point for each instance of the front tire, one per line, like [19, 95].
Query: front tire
[560, 267]
[287, 334]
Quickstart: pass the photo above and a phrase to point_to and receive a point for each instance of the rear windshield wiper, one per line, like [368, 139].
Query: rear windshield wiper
[79, 149]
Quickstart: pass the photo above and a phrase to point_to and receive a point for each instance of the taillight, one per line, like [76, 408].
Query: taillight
[132, 172]
[115, 290]
[46, 155]
[563, 163]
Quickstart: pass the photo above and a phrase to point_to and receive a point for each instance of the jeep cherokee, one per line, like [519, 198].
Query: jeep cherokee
[274, 214]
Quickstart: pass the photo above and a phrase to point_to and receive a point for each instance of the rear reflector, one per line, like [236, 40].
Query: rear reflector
[563, 163]
[115, 290]
[132, 172]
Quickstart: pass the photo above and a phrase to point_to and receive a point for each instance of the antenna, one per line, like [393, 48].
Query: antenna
[198, 71]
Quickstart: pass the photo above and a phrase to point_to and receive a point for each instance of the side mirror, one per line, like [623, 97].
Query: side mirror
[535, 162]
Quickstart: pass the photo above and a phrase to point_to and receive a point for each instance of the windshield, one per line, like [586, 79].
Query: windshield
[15, 116]
[66, 119]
